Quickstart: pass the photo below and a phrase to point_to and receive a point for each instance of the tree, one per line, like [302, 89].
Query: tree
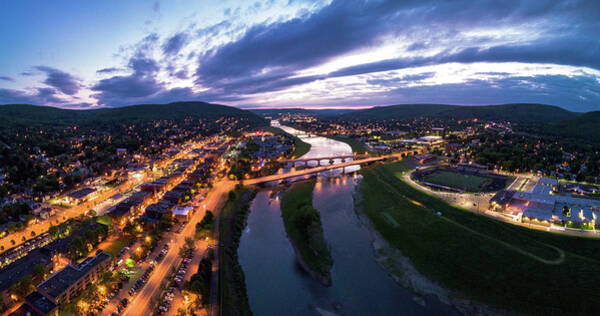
[24, 286]
[29, 218]
[54, 231]
[77, 248]
[40, 271]
[189, 243]
[11, 227]
[566, 211]
[91, 237]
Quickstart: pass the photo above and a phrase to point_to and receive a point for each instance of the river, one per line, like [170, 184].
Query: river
[278, 286]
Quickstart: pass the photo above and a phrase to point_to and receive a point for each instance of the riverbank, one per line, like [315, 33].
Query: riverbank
[233, 296]
[463, 258]
[303, 226]
[403, 272]
[300, 147]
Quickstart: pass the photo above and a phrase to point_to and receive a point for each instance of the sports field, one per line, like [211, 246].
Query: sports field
[458, 180]
[504, 266]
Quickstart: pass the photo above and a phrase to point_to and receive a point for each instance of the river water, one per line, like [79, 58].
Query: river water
[278, 286]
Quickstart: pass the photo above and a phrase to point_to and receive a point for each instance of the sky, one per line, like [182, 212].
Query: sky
[293, 53]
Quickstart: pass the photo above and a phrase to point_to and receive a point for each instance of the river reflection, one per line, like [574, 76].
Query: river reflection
[276, 284]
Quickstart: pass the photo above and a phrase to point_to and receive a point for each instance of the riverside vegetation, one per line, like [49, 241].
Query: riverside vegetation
[232, 285]
[303, 226]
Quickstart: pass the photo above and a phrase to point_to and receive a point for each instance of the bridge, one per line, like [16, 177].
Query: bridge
[303, 172]
[364, 159]
[304, 134]
[328, 159]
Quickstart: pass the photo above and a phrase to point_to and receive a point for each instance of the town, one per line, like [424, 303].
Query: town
[134, 233]
[277, 157]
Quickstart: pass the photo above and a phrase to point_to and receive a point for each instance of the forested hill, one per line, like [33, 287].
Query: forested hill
[518, 112]
[585, 126]
[12, 114]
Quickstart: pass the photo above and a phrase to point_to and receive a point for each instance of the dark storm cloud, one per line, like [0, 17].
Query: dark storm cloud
[276, 51]
[41, 96]
[6, 78]
[268, 56]
[174, 44]
[298, 43]
[142, 65]
[141, 83]
[60, 80]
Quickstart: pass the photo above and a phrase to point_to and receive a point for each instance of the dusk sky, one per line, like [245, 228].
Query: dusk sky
[85, 54]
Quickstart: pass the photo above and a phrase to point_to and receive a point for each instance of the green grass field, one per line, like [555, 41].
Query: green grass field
[502, 265]
[300, 147]
[456, 180]
[115, 247]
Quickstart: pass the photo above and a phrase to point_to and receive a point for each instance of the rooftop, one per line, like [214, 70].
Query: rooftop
[40, 302]
[59, 282]
[81, 193]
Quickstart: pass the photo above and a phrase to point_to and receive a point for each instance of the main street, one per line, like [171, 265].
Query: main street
[141, 304]
[42, 226]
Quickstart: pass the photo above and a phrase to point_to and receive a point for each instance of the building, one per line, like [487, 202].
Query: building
[72, 279]
[182, 214]
[424, 158]
[143, 196]
[430, 140]
[45, 256]
[36, 304]
[23, 267]
[543, 206]
[438, 131]
[81, 195]
[124, 209]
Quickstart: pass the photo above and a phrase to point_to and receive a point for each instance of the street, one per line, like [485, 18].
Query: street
[141, 304]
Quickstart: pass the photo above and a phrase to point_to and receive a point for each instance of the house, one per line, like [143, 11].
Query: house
[45, 213]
